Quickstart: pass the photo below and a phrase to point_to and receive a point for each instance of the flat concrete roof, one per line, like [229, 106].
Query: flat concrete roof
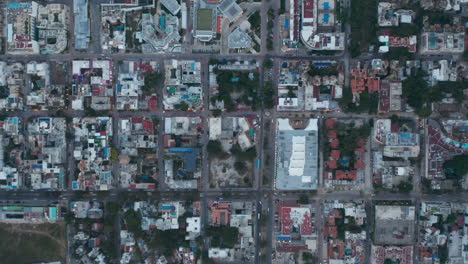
[204, 19]
[239, 40]
[296, 156]
[394, 225]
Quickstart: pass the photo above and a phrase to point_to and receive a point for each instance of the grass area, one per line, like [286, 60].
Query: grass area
[204, 19]
[30, 243]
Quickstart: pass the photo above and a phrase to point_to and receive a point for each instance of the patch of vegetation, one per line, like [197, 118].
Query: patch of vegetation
[350, 226]
[443, 253]
[341, 13]
[456, 168]
[27, 243]
[215, 149]
[268, 95]
[419, 96]
[405, 187]
[455, 89]
[324, 52]
[182, 106]
[313, 71]
[217, 112]
[268, 64]
[367, 102]
[3, 92]
[308, 257]
[112, 209]
[399, 53]
[269, 43]
[405, 30]
[438, 17]
[255, 21]
[241, 155]
[271, 18]
[133, 222]
[223, 236]
[240, 167]
[363, 25]
[282, 6]
[349, 135]
[237, 82]
[153, 82]
[168, 240]
[114, 154]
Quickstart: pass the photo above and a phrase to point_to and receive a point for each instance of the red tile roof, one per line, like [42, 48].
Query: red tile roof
[308, 8]
[346, 175]
[306, 227]
[335, 144]
[361, 81]
[359, 164]
[335, 154]
[330, 123]
[332, 164]
[331, 231]
[286, 222]
[220, 213]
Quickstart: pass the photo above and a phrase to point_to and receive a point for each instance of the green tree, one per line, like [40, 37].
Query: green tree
[249, 154]
[405, 187]
[215, 148]
[406, 30]
[182, 106]
[443, 253]
[255, 21]
[363, 25]
[153, 82]
[451, 218]
[133, 221]
[456, 167]
[268, 95]
[240, 167]
[223, 236]
[415, 91]
[168, 240]
[268, 64]
[399, 53]
[217, 112]
[308, 257]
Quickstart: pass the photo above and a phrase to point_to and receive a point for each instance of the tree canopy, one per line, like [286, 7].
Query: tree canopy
[457, 167]
[153, 82]
[232, 82]
[223, 236]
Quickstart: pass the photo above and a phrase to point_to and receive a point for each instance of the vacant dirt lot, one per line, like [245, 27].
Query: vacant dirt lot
[223, 174]
[30, 243]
